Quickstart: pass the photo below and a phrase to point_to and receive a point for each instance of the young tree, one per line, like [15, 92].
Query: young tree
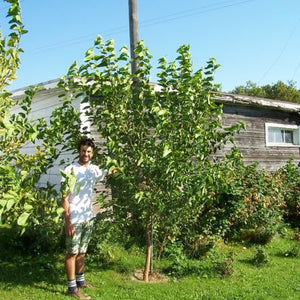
[22, 203]
[162, 138]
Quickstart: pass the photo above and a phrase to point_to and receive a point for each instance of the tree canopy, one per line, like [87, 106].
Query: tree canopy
[279, 91]
[163, 141]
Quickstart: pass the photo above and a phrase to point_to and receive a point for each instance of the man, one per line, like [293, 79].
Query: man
[78, 214]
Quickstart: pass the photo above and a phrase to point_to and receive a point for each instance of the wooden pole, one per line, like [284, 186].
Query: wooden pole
[134, 33]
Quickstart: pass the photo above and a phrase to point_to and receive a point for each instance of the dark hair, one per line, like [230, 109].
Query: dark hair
[86, 142]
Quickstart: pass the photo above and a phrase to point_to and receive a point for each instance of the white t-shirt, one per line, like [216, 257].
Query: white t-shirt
[81, 199]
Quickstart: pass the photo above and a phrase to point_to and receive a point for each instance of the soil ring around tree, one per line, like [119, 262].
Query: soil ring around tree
[154, 277]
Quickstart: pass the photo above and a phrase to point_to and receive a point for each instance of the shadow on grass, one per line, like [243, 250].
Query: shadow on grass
[19, 268]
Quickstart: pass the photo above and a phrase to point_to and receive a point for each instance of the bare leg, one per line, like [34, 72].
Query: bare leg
[70, 265]
[80, 263]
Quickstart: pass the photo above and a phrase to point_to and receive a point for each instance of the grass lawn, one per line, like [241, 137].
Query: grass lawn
[43, 277]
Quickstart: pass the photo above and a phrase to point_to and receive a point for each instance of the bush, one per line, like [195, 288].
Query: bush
[106, 238]
[215, 263]
[261, 257]
[246, 206]
[225, 265]
[290, 175]
[259, 207]
[294, 251]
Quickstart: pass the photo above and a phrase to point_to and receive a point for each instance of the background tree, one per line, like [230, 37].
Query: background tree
[279, 90]
[163, 141]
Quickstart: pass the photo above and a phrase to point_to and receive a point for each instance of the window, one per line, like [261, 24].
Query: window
[282, 135]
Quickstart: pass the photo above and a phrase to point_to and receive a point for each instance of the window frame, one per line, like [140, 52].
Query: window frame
[293, 128]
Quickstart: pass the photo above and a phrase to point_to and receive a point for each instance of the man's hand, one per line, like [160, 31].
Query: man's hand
[69, 228]
[112, 172]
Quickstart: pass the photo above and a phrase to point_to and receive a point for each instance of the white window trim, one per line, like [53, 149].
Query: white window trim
[295, 128]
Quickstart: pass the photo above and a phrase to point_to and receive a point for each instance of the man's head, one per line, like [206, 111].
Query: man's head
[86, 151]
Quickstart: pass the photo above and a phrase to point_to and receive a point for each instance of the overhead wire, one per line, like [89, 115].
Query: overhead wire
[276, 60]
[144, 23]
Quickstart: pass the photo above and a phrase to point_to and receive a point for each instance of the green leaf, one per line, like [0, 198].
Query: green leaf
[28, 207]
[11, 195]
[10, 203]
[22, 220]
[139, 196]
[68, 185]
[59, 210]
[140, 160]
[167, 150]
[7, 124]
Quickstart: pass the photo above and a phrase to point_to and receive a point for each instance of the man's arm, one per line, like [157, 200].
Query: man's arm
[69, 227]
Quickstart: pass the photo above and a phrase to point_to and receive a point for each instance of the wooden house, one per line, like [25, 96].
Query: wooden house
[272, 132]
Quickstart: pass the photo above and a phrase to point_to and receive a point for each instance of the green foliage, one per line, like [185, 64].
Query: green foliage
[163, 142]
[293, 252]
[256, 213]
[290, 175]
[261, 257]
[104, 238]
[214, 264]
[223, 263]
[69, 183]
[9, 46]
[279, 90]
[246, 205]
[22, 203]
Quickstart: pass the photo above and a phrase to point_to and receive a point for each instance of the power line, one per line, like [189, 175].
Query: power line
[192, 12]
[150, 22]
[281, 52]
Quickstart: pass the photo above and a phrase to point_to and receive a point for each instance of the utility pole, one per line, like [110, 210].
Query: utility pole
[134, 38]
[134, 33]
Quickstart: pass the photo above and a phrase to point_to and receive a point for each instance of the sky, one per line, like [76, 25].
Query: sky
[252, 40]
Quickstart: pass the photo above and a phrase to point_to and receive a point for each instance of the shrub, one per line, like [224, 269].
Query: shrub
[258, 213]
[290, 175]
[106, 239]
[297, 235]
[199, 245]
[225, 266]
[294, 251]
[261, 257]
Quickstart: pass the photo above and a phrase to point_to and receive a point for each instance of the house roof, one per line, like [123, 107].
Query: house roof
[44, 86]
[258, 102]
[229, 98]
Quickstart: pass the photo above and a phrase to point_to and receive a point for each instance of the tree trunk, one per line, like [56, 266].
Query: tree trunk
[161, 247]
[149, 250]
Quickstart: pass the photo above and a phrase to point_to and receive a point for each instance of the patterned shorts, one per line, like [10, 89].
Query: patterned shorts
[78, 243]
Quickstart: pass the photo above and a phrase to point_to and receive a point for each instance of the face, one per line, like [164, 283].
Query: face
[85, 154]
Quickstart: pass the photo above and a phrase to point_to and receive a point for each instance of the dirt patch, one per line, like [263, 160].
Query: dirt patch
[154, 277]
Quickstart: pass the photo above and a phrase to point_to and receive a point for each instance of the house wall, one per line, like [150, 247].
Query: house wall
[252, 141]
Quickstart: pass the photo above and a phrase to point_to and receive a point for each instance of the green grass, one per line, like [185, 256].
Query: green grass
[43, 277]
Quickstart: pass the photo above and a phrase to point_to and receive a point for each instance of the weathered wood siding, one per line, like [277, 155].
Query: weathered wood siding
[252, 141]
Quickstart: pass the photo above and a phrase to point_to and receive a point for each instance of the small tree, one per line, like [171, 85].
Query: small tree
[163, 141]
[22, 203]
